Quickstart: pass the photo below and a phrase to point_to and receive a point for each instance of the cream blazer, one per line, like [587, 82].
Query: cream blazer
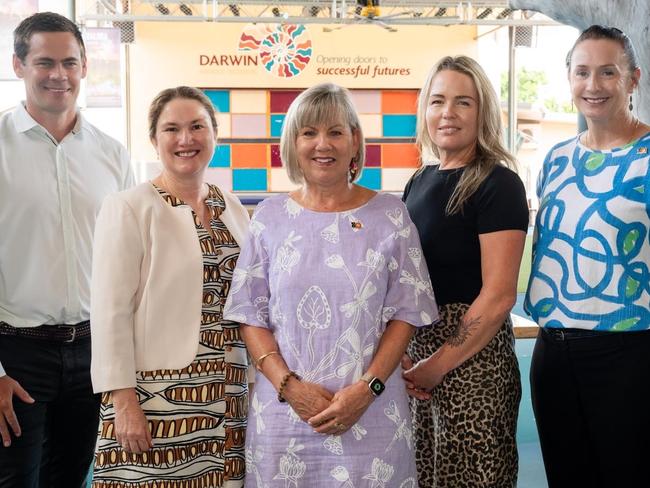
[147, 285]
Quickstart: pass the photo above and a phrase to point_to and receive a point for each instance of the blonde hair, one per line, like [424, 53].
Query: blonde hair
[324, 103]
[490, 151]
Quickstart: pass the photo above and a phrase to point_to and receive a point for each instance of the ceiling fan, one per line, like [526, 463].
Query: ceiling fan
[368, 12]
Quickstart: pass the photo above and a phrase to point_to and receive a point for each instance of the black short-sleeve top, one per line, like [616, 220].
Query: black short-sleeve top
[451, 242]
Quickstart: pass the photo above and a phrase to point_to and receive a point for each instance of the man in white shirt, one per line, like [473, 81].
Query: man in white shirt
[55, 170]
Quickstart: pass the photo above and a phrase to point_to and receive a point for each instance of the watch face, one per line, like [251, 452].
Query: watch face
[376, 386]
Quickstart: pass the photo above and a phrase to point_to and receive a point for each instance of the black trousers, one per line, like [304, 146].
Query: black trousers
[591, 398]
[59, 430]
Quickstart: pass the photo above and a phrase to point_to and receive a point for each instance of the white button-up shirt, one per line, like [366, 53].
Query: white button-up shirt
[50, 195]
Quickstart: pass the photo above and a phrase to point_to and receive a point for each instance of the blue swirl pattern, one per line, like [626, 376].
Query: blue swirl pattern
[591, 250]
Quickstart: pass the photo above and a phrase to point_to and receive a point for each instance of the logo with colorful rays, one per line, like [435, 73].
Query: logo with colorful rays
[284, 49]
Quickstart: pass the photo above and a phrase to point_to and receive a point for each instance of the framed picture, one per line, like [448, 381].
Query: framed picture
[11, 13]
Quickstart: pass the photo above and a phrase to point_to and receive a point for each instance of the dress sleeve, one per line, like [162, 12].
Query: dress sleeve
[409, 296]
[117, 258]
[501, 203]
[248, 300]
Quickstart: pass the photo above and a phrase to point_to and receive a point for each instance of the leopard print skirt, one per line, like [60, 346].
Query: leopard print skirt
[465, 436]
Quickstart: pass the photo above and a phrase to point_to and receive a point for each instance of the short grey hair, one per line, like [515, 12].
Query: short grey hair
[324, 103]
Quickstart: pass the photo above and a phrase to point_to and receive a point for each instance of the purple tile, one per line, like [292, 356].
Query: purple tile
[373, 155]
[276, 161]
[280, 100]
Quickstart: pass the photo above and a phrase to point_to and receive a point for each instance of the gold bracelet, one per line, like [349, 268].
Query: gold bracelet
[283, 384]
[258, 361]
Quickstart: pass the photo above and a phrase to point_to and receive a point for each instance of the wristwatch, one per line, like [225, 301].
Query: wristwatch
[376, 386]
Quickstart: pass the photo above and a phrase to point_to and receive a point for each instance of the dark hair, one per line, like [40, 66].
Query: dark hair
[44, 22]
[609, 33]
[169, 94]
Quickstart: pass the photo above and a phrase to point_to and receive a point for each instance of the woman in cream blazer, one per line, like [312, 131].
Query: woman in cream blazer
[172, 372]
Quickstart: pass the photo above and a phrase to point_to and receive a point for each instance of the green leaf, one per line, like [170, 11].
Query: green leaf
[630, 240]
[595, 161]
[640, 189]
[631, 287]
[625, 324]
[546, 308]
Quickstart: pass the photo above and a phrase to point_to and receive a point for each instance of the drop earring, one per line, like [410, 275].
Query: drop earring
[354, 169]
[631, 106]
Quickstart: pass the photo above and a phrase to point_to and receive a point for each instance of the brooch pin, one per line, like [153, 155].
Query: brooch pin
[642, 150]
[356, 225]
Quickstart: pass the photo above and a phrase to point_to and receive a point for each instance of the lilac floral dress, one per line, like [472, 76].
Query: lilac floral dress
[326, 284]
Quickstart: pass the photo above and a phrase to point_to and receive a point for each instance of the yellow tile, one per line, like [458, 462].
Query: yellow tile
[280, 181]
[371, 125]
[248, 101]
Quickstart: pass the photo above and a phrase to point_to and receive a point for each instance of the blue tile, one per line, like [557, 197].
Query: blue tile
[220, 99]
[276, 124]
[249, 180]
[221, 158]
[399, 125]
[370, 178]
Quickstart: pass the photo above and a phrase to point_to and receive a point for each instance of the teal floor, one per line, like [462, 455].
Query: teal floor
[531, 468]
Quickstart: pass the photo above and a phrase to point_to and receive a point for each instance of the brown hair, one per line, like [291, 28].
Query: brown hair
[43, 22]
[610, 33]
[169, 94]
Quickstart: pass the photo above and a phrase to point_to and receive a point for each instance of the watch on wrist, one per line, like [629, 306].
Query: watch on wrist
[376, 386]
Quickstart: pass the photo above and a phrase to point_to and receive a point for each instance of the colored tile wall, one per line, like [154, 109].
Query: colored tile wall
[247, 158]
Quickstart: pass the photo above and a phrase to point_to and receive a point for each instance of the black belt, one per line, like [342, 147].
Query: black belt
[55, 333]
[566, 334]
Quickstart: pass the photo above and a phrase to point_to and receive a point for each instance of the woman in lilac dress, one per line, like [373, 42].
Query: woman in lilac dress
[329, 289]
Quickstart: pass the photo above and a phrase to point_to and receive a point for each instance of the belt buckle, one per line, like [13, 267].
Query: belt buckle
[561, 332]
[73, 331]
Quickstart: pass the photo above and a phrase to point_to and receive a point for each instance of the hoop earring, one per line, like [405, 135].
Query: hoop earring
[631, 106]
[354, 169]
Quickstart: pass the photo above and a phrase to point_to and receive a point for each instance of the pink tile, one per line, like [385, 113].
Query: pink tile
[248, 125]
[367, 101]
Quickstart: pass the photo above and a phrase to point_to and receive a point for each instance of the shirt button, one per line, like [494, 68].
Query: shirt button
[228, 348]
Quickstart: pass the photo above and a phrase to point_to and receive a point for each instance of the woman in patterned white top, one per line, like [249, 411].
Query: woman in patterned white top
[329, 286]
[590, 282]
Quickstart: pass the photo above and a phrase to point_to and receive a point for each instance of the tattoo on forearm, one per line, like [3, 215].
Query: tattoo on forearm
[463, 331]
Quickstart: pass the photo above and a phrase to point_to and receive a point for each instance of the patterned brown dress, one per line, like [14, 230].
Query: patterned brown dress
[465, 435]
[197, 415]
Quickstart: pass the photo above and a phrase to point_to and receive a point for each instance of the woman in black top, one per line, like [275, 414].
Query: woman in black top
[470, 210]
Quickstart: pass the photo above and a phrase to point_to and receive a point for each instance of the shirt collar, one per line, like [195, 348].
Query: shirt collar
[25, 122]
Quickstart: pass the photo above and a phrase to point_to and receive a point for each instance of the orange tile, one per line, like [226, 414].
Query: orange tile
[399, 156]
[399, 101]
[249, 155]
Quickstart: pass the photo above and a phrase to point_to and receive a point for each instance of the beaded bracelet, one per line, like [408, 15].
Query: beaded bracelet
[283, 384]
[258, 362]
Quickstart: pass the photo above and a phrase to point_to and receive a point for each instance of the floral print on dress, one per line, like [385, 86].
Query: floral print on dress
[327, 284]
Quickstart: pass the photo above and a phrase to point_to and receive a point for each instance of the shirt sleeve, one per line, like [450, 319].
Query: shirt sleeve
[407, 188]
[127, 169]
[501, 203]
[117, 260]
[409, 296]
[248, 300]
